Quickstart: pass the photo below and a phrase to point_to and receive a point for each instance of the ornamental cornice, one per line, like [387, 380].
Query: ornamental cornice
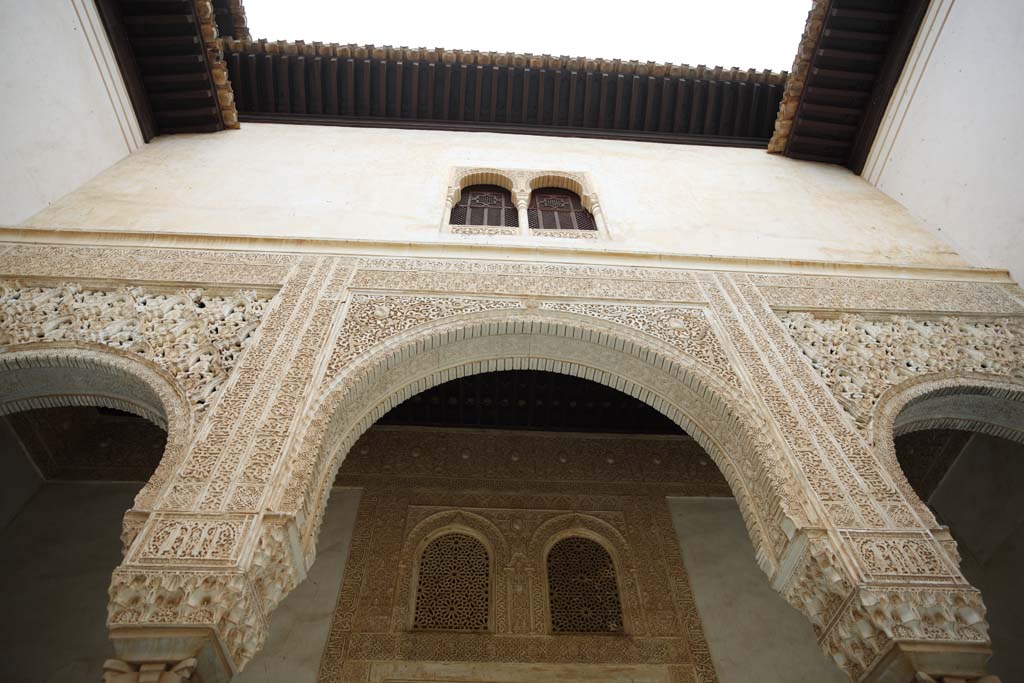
[288, 249]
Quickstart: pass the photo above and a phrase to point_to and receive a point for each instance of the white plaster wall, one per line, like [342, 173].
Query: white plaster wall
[65, 114]
[374, 184]
[950, 147]
[754, 634]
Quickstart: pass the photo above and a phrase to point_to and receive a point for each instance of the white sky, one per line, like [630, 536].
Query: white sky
[758, 34]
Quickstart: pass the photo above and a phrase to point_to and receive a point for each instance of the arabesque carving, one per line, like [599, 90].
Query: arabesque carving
[238, 500]
[597, 495]
[196, 337]
[860, 359]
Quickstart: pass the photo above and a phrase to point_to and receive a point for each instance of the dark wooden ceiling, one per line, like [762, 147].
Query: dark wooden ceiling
[89, 444]
[385, 87]
[527, 399]
[856, 63]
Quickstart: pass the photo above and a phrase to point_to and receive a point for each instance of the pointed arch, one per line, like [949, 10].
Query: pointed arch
[687, 391]
[979, 402]
[59, 374]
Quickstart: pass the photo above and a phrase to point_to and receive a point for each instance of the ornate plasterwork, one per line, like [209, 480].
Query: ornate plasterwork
[565, 234]
[912, 592]
[519, 520]
[188, 599]
[53, 374]
[195, 337]
[795, 292]
[860, 359]
[528, 279]
[223, 269]
[322, 366]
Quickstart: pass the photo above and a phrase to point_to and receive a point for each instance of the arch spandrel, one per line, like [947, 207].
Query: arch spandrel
[640, 363]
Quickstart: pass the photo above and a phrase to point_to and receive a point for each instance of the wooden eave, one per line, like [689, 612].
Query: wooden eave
[169, 53]
[849, 61]
[350, 85]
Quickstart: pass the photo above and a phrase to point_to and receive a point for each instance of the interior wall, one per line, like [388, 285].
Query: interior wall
[55, 610]
[980, 500]
[19, 478]
[949, 148]
[66, 115]
[58, 555]
[755, 636]
[337, 183]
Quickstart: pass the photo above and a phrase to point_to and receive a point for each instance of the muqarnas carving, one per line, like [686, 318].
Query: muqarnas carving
[198, 338]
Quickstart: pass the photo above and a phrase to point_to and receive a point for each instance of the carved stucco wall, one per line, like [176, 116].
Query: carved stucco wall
[518, 494]
[838, 532]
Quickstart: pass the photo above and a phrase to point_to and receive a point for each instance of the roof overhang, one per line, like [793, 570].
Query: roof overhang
[191, 66]
[850, 58]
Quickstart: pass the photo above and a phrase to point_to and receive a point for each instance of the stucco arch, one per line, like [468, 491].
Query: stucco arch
[950, 400]
[715, 413]
[58, 374]
[564, 181]
[481, 176]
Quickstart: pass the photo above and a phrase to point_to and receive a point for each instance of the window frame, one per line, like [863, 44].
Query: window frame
[414, 575]
[620, 585]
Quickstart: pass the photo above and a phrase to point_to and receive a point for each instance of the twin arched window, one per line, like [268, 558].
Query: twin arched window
[453, 586]
[550, 208]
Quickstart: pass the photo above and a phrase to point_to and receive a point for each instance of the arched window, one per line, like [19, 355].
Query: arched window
[453, 585]
[485, 205]
[582, 589]
[553, 208]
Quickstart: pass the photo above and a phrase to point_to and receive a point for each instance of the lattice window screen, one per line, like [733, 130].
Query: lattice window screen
[453, 590]
[485, 205]
[582, 588]
[552, 208]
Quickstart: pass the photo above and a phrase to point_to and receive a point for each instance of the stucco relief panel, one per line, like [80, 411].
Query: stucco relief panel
[518, 524]
[860, 358]
[198, 338]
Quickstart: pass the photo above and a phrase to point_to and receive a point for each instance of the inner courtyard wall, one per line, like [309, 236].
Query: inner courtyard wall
[65, 118]
[56, 609]
[19, 478]
[362, 184]
[948, 148]
[754, 635]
